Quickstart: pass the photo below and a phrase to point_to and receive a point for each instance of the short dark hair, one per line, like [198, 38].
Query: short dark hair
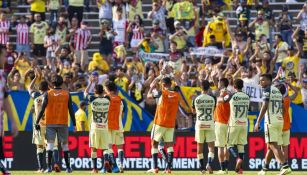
[225, 82]
[279, 36]
[57, 81]
[98, 89]
[282, 88]
[205, 85]
[267, 76]
[43, 86]
[167, 81]
[238, 84]
[111, 86]
[173, 42]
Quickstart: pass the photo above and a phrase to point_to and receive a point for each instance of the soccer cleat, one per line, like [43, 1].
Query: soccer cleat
[56, 168]
[240, 171]
[94, 171]
[221, 172]
[103, 170]
[48, 170]
[155, 171]
[238, 165]
[209, 169]
[107, 167]
[285, 171]
[167, 171]
[202, 172]
[115, 169]
[68, 170]
[262, 172]
[121, 169]
[40, 171]
[6, 173]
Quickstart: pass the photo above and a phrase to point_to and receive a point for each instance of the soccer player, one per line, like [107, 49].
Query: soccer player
[115, 125]
[164, 122]
[56, 105]
[237, 126]
[99, 136]
[286, 127]
[221, 117]
[4, 107]
[203, 106]
[272, 110]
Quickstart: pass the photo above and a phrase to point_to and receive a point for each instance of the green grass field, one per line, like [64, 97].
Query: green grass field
[143, 172]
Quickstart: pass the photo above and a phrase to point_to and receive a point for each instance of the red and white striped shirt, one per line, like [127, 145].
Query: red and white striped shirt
[4, 31]
[137, 34]
[22, 31]
[81, 39]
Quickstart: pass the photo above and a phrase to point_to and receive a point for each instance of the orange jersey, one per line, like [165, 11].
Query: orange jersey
[222, 111]
[286, 114]
[56, 111]
[167, 109]
[115, 109]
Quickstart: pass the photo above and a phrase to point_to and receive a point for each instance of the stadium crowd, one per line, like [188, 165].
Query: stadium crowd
[59, 44]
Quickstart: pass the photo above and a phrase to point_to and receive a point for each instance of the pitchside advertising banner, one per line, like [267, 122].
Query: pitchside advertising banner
[21, 154]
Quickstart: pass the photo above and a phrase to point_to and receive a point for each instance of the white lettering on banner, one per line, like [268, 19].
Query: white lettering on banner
[7, 162]
[294, 165]
[304, 164]
[206, 51]
[253, 91]
[154, 57]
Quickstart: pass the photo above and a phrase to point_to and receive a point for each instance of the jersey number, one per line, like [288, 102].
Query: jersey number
[241, 110]
[205, 115]
[100, 117]
[276, 106]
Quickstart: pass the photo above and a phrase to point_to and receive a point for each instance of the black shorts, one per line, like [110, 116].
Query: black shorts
[39, 50]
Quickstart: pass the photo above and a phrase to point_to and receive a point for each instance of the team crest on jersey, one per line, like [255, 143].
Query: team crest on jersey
[290, 65]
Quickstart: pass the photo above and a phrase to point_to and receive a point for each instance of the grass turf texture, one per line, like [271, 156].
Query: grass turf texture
[161, 172]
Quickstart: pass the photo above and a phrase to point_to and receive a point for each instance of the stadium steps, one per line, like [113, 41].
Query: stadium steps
[92, 17]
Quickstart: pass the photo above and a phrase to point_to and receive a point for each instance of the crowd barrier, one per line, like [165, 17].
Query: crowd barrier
[138, 157]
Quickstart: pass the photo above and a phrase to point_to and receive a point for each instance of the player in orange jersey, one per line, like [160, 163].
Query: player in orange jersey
[221, 117]
[56, 105]
[115, 125]
[286, 128]
[164, 122]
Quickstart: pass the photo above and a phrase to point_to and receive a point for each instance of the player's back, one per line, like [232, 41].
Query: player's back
[239, 104]
[222, 110]
[38, 103]
[167, 109]
[274, 114]
[204, 105]
[56, 111]
[286, 114]
[100, 109]
[115, 112]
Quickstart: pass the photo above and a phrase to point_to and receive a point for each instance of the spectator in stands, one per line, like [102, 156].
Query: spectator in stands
[82, 40]
[180, 36]
[291, 63]
[158, 35]
[5, 6]
[285, 25]
[98, 64]
[119, 25]
[75, 8]
[303, 79]
[170, 16]
[81, 119]
[61, 29]
[136, 28]
[148, 44]
[302, 16]
[13, 80]
[53, 6]
[106, 41]
[5, 26]
[282, 48]
[242, 27]
[175, 58]
[158, 13]
[105, 10]
[135, 86]
[51, 42]
[67, 82]
[217, 27]
[243, 9]
[38, 7]
[116, 5]
[296, 84]
[10, 58]
[22, 65]
[38, 31]
[262, 26]
[71, 32]
[135, 8]
[22, 40]
[121, 80]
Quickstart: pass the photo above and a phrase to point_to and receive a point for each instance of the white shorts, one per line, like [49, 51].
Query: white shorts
[135, 42]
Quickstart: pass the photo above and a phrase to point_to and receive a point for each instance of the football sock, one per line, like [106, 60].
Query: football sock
[121, 156]
[67, 159]
[49, 158]
[226, 164]
[56, 156]
[233, 152]
[170, 157]
[210, 158]
[40, 158]
[154, 153]
[222, 166]
[112, 159]
[163, 153]
[200, 158]
[94, 159]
